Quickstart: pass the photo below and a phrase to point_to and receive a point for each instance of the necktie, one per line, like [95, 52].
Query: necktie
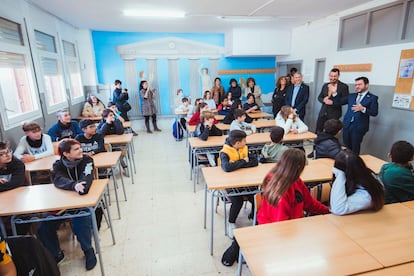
[358, 99]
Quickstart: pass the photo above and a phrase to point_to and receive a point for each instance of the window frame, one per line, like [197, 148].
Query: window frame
[9, 123]
[67, 59]
[368, 26]
[51, 108]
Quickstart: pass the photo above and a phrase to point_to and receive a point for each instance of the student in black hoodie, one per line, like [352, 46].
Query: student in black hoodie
[73, 172]
[91, 142]
[110, 125]
[327, 144]
[11, 169]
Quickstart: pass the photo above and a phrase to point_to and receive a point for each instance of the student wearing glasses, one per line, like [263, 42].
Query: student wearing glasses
[11, 169]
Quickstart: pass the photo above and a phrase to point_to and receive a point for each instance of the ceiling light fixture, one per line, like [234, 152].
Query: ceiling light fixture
[155, 13]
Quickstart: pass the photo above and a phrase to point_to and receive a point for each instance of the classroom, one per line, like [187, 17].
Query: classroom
[55, 54]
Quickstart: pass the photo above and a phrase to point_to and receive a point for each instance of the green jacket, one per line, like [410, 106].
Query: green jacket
[398, 182]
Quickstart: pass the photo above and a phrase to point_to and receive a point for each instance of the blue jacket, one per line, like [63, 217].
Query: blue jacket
[301, 99]
[59, 131]
[360, 119]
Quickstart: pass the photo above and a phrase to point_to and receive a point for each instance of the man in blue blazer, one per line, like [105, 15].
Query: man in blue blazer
[297, 95]
[361, 105]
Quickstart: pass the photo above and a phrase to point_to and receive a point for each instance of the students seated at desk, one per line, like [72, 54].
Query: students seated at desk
[285, 197]
[327, 144]
[34, 144]
[289, 121]
[224, 107]
[240, 124]
[229, 118]
[251, 105]
[206, 126]
[234, 156]
[355, 186]
[209, 100]
[195, 119]
[91, 142]
[110, 125]
[12, 170]
[93, 107]
[187, 108]
[64, 127]
[73, 172]
[117, 113]
[398, 176]
[273, 151]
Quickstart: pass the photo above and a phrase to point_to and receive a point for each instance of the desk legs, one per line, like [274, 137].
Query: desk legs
[116, 191]
[96, 238]
[211, 221]
[131, 163]
[240, 263]
[2, 229]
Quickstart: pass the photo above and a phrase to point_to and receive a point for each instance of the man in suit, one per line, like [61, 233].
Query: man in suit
[331, 89]
[361, 105]
[297, 95]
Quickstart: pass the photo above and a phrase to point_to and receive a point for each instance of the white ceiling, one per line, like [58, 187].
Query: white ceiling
[201, 16]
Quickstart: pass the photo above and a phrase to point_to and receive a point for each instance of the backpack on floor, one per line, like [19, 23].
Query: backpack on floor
[177, 135]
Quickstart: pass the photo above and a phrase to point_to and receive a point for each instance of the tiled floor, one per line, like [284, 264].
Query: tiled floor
[161, 230]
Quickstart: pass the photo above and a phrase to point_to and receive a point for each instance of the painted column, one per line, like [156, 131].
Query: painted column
[174, 81]
[194, 80]
[214, 65]
[131, 78]
[153, 81]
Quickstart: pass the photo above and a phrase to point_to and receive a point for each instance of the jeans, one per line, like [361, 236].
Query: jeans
[81, 227]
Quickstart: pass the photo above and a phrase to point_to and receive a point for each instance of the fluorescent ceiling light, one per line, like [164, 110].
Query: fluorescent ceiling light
[154, 13]
[247, 18]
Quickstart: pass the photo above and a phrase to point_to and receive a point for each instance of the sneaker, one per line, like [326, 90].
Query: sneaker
[90, 259]
[134, 133]
[232, 226]
[59, 257]
[231, 254]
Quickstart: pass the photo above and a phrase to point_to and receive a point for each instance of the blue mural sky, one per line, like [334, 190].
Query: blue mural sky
[110, 66]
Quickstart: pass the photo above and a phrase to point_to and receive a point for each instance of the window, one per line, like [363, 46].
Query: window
[17, 93]
[52, 72]
[73, 72]
[388, 24]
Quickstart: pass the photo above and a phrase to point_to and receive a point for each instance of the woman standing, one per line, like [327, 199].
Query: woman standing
[278, 97]
[148, 105]
[217, 92]
[255, 90]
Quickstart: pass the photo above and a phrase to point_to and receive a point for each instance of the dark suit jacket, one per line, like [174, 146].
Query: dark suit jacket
[333, 111]
[301, 98]
[361, 120]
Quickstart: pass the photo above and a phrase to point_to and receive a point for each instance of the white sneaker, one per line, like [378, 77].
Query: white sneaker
[230, 230]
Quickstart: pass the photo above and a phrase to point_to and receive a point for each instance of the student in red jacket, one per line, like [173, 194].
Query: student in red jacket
[285, 196]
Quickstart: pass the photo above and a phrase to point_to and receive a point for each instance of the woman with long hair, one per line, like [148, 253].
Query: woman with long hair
[279, 94]
[148, 105]
[93, 107]
[285, 196]
[290, 121]
[355, 186]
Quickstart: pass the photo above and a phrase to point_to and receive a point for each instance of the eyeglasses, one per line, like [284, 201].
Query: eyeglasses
[5, 153]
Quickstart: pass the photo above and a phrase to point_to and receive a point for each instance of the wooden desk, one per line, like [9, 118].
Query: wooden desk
[403, 269]
[370, 161]
[127, 124]
[218, 180]
[123, 139]
[94, 118]
[409, 204]
[219, 117]
[387, 235]
[259, 114]
[264, 123]
[307, 246]
[38, 165]
[45, 198]
[223, 127]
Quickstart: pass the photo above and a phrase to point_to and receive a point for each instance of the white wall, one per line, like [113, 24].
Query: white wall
[319, 39]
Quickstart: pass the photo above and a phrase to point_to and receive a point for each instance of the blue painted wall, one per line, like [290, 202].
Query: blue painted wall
[109, 65]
